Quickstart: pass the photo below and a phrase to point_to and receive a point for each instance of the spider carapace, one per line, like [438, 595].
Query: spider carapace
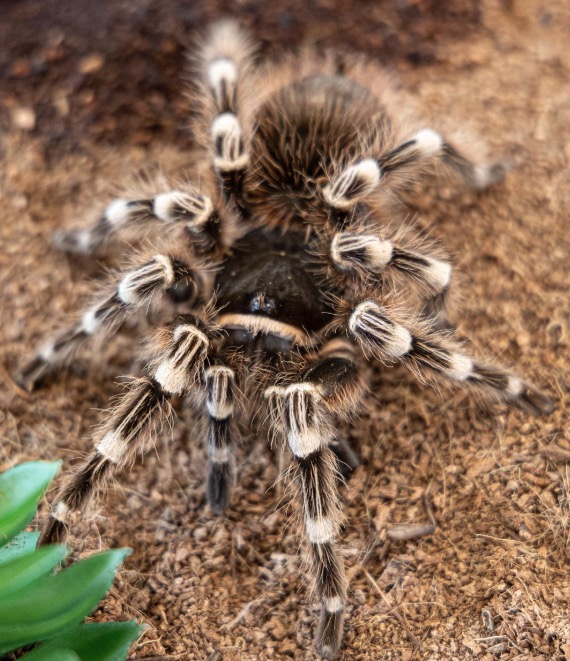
[295, 273]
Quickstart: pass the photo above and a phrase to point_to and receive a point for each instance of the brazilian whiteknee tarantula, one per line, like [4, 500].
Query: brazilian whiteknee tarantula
[289, 279]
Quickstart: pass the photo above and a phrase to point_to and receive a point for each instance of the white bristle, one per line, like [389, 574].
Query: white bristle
[320, 530]
[221, 70]
[113, 446]
[428, 141]
[439, 273]
[461, 367]
[164, 203]
[118, 212]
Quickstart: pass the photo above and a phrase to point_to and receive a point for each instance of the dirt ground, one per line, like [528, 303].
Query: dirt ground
[89, 93]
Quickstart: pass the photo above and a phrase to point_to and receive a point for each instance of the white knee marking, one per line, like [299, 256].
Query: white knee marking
[177, 205]
[60, 512]
[89, 321]
[368, 318]
[378, 253]
[515, 386]
[461, 367]
[365, 174]
[303, 438]
[84, 240]
[230, 156]
[439, 273]
[118, 212]
[173, 374]
[113, 446]
[219, 402]
[220, 71]
[333, 604]
[219, 455]
[47, 352]
[428, 142]
[321, 530]
[128, 290]
[191, 331]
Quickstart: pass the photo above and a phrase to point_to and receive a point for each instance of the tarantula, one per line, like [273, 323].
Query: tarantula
[287, 279]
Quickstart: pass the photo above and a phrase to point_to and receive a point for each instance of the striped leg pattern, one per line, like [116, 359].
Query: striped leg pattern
[134, 291]
[428, 144]
[131, 422]
[431, 355]
[219, 380]
[188, 208]
[353, 184]
[225, 64]
[301, 412]
[368, 256]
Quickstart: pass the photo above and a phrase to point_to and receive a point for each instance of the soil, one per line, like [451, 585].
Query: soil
[91, 92]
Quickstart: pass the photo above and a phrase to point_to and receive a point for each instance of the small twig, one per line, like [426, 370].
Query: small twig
[401, 619]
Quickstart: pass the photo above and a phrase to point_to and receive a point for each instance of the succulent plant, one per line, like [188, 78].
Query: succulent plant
[41, 603]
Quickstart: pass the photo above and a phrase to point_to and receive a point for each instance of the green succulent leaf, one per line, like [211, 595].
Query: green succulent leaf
[23, 543]
[54, 602]
[52, 654]
[21, 488]
[16, 574]
[108, 641]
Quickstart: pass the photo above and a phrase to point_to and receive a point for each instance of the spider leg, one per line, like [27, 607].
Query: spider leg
[189, 209]
[143, 408]
[303, 413]
[225, 64]
[134, 291]
[429, 144]
[429, 355]
[219, 381]
[356, 181]
[371, 258]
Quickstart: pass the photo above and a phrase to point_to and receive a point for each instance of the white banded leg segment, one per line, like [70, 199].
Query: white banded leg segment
[424, 144]
[219, 381]
[222, 75]
[367, 253]
[142, 409]
[353, 184]
[428, 144]
[431, 355]
[219, 388]
[182, 359]
[118, 215]
[80, 486]
[376, 332]
[131, 421]
[135, 289]
[318, 475]
[300, 415]
[183, 206]
[195, 212]
[298, 412]
[229, 151]
[360, 252]
[187, 207]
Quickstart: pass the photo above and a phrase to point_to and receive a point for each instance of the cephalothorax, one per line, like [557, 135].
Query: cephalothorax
[287, 280]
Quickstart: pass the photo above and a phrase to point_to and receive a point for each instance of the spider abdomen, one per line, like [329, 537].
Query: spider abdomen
[303, 132]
